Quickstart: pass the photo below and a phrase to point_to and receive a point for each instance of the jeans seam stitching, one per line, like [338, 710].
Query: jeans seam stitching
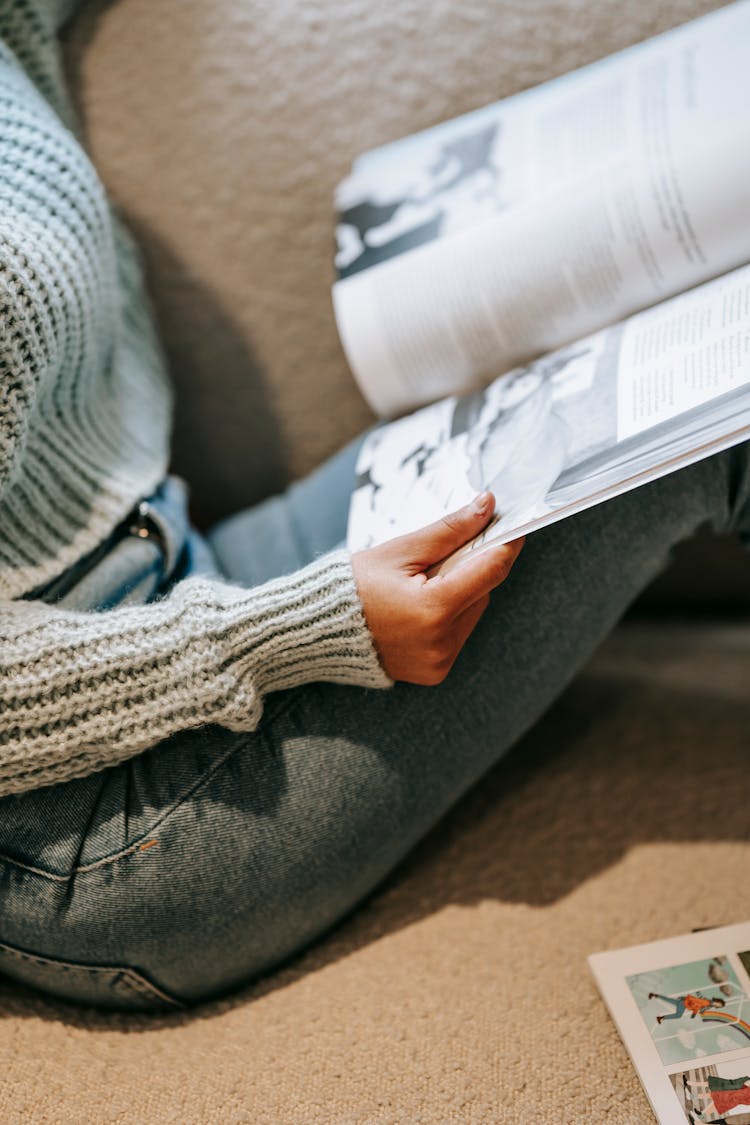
[137, 983]
[128, 976]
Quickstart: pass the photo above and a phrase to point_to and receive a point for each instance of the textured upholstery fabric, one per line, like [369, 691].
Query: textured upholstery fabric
[222, 129]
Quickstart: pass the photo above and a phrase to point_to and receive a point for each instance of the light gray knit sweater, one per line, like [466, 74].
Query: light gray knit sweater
[84, 421]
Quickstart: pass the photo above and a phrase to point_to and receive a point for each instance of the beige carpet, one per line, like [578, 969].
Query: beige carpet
[460, 993]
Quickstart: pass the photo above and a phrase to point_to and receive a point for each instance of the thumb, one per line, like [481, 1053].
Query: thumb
[435, 542]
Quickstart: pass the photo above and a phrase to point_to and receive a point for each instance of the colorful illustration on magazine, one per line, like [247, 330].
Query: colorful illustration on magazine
[693, 1010]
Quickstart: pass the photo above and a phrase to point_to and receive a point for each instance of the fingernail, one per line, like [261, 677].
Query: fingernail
[482, 503]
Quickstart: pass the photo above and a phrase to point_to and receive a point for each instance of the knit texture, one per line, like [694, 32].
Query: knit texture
[84, 421]
[84, 404]
[83, 690]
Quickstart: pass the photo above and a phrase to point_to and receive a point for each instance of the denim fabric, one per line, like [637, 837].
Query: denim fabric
[214, 856]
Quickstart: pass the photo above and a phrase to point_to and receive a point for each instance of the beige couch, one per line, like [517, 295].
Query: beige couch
[460, 992]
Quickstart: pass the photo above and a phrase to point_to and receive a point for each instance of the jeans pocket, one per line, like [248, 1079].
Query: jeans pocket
[105, 986]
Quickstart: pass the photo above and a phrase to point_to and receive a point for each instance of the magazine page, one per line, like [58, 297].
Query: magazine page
[682, 1008]
[476, 245]
[594, 419]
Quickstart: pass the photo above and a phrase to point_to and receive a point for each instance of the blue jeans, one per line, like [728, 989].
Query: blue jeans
[214, 856]
[678, 1005]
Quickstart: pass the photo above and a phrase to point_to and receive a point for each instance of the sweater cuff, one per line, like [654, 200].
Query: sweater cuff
[312, 628]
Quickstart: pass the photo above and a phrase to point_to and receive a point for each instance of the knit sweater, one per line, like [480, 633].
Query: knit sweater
[84, 430]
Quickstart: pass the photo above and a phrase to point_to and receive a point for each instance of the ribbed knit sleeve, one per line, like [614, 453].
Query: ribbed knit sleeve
[81, 691]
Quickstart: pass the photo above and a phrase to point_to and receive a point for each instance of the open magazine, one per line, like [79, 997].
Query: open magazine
[570, 265]
[682, 1007]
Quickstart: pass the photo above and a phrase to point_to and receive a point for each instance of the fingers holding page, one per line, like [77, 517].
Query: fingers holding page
[477, 575]
[419, 623]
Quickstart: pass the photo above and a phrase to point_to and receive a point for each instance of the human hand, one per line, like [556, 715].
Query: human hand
[420, 623]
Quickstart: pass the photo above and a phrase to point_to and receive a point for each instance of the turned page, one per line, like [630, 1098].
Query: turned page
[632, 402]
[484, 242]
